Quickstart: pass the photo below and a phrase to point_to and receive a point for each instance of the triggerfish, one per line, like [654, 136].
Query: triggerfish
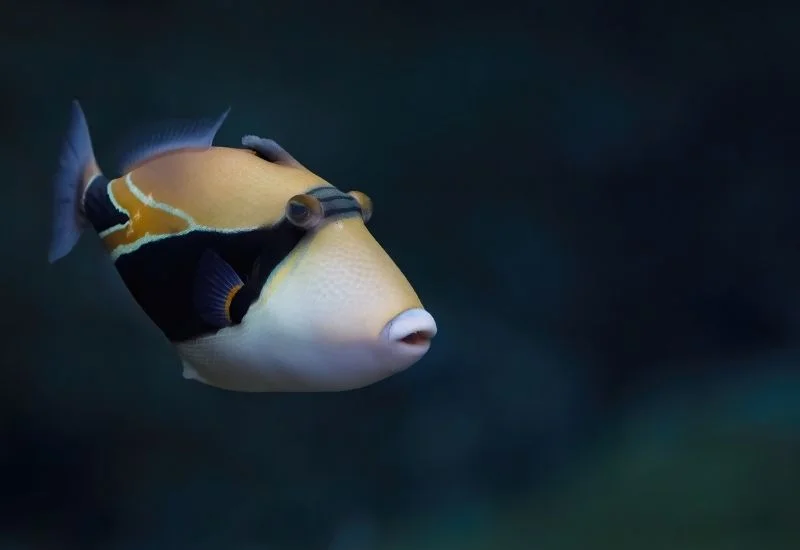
[263, 275]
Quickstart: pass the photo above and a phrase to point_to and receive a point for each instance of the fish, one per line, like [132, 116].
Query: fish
[262, 275]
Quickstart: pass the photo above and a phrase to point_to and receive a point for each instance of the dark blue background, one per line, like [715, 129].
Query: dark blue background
[598, 201]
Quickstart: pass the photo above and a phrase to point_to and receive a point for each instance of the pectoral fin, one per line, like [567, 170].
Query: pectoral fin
[216, 285]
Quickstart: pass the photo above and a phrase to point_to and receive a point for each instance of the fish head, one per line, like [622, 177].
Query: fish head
[344, 313]
[336, 313]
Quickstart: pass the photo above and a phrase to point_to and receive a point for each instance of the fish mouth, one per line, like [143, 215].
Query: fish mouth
[413, 328]
[418, 338]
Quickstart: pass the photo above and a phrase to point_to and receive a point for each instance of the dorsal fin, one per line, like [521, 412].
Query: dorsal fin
[167, 136]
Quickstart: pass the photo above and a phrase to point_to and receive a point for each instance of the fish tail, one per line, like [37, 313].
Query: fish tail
[77, 168]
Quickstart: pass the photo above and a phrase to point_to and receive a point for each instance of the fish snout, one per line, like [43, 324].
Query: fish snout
[411, 331]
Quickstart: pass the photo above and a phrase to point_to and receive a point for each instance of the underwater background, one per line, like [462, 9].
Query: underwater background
[599, 202]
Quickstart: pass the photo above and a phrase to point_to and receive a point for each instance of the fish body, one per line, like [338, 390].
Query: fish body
[263, 275]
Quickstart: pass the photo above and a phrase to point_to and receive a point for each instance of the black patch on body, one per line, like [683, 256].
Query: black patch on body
[160, 275]
[98, 208]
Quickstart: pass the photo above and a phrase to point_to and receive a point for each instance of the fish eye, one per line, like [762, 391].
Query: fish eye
[304, 211]
[364, 202]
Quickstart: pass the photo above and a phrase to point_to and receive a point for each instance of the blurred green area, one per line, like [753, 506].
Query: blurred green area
[713, 471]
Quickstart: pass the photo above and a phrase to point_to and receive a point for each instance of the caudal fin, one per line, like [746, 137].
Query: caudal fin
[76, 167]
